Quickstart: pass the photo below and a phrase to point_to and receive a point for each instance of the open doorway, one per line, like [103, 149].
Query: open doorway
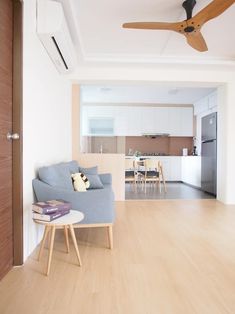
[160, 122]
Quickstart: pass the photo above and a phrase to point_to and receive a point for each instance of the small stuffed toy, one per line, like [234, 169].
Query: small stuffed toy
[80, 182]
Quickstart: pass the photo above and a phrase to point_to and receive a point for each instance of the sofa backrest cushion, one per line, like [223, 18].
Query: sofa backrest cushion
[73, 166]
[59, 175]
[91, 170]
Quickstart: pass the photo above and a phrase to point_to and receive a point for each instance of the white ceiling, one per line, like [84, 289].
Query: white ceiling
[99, 35]
[142, 94]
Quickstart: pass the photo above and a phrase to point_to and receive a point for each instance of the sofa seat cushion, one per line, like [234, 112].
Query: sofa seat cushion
[58, 175]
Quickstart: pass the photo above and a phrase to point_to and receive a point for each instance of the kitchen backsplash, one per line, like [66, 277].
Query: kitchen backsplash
[123, 145]
[162, 145]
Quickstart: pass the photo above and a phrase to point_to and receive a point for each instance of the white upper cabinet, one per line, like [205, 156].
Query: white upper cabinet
[206, 105]
[212, 101]
[133, 121]
[174, 122]
[186, 117]
[136, 120]
[161, 116]
[148, 122]
[181, 121]
[121, 125]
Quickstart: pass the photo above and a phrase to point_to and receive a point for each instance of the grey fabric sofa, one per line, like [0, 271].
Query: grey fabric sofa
[54, 182]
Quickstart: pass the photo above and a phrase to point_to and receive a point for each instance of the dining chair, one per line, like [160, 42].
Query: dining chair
[153, 171]
[130, 171]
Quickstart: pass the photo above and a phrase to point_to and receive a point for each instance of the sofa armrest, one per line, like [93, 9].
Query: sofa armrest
[106, 178]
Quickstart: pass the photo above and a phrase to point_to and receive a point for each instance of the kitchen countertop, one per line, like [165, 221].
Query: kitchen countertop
[159, 156]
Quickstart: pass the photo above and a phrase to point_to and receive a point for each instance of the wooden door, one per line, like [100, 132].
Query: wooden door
[6, 99]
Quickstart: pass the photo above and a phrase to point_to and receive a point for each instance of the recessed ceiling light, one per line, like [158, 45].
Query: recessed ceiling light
[173, 91]
[105, 89]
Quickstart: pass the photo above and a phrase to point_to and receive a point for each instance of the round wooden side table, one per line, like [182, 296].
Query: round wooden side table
[65, 222]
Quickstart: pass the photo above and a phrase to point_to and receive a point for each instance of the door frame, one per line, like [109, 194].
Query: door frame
[17, 127]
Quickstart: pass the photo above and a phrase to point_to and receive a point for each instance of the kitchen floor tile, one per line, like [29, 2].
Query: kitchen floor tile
[175, 190]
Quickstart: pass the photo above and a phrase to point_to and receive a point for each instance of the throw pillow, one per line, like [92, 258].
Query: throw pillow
[80, 182]
[91, 170]
[57, 175]
[95, 182]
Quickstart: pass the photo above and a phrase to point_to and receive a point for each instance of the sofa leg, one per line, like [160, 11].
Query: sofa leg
[110, 236]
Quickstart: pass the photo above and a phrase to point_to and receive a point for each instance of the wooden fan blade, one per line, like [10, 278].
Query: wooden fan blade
[196, 41]
[212, 10]
[153, 25]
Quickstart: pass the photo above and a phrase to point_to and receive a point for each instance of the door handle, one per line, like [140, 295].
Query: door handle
[12, 136]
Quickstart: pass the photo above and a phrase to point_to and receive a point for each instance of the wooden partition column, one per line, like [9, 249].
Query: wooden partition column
[75, 121]
[107, 163]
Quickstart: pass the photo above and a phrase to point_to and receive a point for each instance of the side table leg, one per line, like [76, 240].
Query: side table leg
[50, 249]
[75, 244]
[110, 237]
[48, 239]
[66, 236]
[45, 234]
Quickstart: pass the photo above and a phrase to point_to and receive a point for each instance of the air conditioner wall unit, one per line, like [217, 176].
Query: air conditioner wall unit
[54, 34]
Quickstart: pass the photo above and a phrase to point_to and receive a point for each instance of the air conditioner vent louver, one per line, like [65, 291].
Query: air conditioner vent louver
[60, 53]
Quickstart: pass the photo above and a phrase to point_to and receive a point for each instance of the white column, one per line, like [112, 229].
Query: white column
[226, 144]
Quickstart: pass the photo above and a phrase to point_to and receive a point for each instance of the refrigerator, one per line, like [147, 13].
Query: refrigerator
[209, 153]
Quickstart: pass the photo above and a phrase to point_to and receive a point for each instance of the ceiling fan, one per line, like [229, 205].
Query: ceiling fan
[191, 27]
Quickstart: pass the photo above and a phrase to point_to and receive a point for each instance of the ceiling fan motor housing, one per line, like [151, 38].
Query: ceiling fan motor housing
[189, 29]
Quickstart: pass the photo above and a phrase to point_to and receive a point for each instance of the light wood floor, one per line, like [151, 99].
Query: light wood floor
[169, 257]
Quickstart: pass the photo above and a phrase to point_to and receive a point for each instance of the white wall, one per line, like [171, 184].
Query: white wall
[46, 117]
[226, 151]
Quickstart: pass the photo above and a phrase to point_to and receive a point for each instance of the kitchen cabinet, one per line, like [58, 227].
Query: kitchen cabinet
[186, 118]
[212, 101]
[148, 122]
[133, 121]
[176, 168]
[175, 122]
[121, 125]
[166, 166]
[171, 166]
[206, 105]
[136, 120]
[180, 168]
[161, 116]
[191, 170]
[181, 121]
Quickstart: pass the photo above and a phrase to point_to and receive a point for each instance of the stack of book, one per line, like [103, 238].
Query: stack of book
[50, 210]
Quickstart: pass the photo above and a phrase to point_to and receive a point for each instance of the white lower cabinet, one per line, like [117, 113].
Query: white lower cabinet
[179, 168]
[171, 167]
[176, 168]
[191, 170]
[166, 166]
